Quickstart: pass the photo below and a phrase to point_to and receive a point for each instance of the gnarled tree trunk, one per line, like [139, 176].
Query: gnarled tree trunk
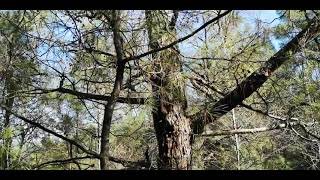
[172, 127]
[174, 137]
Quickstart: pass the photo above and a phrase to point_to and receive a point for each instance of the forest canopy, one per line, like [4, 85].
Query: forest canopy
[159, 89]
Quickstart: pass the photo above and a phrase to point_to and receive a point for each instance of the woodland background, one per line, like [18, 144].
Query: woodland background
[160, 89]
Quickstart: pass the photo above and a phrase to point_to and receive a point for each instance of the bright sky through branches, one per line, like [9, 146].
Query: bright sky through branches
[267, 17]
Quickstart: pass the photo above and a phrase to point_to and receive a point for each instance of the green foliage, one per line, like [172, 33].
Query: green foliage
[222, 55]
[131, 137]
[7, 133]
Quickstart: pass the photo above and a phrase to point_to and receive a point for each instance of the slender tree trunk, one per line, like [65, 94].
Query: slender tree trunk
[70, 154]
[98, 134]
[76, 150]
[109, 108]
[9, 100]
[172, 127]
[235, 127]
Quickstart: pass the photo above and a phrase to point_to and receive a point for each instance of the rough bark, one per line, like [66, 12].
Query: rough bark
[172, 127]
[174, 138]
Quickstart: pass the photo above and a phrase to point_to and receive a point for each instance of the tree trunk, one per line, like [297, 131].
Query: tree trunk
[236, 137]
[174, 138]
[172, 127]
[109, 108]
[7, 140]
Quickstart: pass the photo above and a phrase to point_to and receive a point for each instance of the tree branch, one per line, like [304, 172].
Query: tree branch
[178, 40]
[93, 154]
[257, 78]
[174, 19]
[81, 95]
[38, 125]
[130, 164]
[64, 161]
[251, 131]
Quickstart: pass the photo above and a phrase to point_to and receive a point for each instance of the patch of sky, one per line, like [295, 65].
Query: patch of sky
[268, 18]
[316, 74]
[250, 20]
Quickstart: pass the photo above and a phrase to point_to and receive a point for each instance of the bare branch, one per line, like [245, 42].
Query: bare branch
[64, 161]
[251, 131]
[82, 95]
[132, 164]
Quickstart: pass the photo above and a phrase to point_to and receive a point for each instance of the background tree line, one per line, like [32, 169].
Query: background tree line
[160, 89]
